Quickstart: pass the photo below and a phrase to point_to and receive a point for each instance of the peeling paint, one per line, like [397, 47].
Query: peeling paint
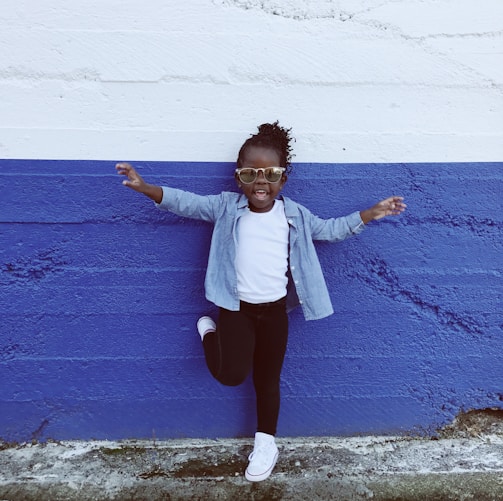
[38, 433]
[381, 277]
[297, 10]
[474, 423]
[43, 263]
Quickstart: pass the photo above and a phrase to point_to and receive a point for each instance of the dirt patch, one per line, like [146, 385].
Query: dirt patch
[475, 423]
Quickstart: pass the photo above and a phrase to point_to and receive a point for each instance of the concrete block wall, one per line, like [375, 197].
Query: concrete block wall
[100, 292]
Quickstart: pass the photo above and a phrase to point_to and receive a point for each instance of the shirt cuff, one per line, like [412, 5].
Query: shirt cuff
[355, 223]
[162, 204]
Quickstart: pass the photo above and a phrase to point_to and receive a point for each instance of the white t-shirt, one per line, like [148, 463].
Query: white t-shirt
[262, 255]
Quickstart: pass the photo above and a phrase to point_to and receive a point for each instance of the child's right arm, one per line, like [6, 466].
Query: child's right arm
[136, 182]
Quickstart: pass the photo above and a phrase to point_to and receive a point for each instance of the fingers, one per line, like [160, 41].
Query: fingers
[394, 205]
[124, 168]
[391, 206]
[133, 179]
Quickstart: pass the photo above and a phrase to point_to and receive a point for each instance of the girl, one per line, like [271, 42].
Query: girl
[257, 271]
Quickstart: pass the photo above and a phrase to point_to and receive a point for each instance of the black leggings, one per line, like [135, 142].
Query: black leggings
[255, 337]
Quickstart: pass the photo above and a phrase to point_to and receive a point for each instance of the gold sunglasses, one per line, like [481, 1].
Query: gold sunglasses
[248, 175]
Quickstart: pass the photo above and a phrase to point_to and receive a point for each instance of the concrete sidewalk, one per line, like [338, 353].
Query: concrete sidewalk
[378, 468]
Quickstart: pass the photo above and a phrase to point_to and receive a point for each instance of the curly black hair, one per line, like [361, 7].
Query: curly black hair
[272, 136]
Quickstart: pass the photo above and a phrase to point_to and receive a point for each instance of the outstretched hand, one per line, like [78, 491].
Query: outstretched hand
[391, 206]
[136, 182]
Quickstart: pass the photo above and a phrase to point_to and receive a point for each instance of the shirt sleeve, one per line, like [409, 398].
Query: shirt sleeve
[188, 204]
[336, 229]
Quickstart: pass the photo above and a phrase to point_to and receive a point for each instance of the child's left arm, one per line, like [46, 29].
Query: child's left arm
[392, 206]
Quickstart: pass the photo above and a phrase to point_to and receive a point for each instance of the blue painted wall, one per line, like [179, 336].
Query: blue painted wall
[100, 292]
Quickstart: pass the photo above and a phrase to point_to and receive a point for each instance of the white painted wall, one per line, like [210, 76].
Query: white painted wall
[358, 80]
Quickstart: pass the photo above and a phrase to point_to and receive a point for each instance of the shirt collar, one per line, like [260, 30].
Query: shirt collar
[242, 202]
[291, 208]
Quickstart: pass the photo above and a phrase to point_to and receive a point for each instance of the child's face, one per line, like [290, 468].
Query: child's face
[260, 193]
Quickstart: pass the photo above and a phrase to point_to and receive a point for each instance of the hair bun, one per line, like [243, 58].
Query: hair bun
[274, 136]
[279, 133]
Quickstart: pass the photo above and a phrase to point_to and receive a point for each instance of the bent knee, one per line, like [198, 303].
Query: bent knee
[232, 379]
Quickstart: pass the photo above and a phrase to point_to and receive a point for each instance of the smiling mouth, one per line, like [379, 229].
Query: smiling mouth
[260, 194]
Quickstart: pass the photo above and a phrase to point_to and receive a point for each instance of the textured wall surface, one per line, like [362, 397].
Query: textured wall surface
[358, 80]
[100, 292]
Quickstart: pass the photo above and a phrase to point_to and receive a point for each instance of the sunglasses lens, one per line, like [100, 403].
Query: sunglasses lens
[247, 175]
[273, 174]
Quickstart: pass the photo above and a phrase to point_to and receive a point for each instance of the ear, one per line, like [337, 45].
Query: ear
[284, 179]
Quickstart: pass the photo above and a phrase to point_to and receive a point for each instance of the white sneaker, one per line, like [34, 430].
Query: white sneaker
[205, 325]
[263, 458]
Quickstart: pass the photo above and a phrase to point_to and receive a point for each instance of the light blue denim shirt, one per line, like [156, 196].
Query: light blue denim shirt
[306, 284]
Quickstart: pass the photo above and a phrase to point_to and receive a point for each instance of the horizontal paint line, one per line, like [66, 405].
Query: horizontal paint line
[143, 359]
[326, 146]
[347, 358]
[404, 272]
[106, 168]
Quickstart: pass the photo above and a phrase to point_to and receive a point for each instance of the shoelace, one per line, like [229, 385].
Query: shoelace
[259, 455]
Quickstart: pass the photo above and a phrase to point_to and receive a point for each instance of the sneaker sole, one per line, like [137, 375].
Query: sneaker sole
[262, 476]
[205, 318]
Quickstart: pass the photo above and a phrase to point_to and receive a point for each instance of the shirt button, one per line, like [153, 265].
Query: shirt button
[290, 221]
[301, 302]
[292, 268]
[296, 282]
